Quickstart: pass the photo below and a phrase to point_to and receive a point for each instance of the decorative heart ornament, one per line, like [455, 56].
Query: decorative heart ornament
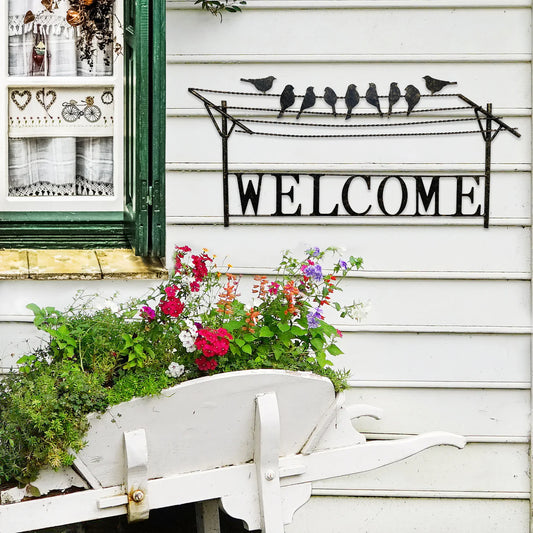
[43, 96]
[21, 98]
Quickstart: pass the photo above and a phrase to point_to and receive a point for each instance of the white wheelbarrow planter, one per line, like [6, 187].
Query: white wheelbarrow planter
[253, 441]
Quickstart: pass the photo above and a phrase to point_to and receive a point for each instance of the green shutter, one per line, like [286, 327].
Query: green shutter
[136, 127]
[144, 45]
[158, 64]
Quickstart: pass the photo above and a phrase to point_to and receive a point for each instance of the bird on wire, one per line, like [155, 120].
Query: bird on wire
[394, 96]
[372, 97]
[351, 99]
[308, 101]
[412, 97]
[330, 97]
[434, 85]
[286, 99]
[261, 84]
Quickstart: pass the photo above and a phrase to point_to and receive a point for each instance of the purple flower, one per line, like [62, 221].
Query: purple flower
[343, 264]
[315, 251]
[148, 313]
[314, 272]
[313, 316]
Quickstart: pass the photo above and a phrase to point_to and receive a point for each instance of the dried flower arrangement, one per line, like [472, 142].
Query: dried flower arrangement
[94, 20]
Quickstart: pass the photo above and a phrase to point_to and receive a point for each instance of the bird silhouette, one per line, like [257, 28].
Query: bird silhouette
[394, 95]
[286, 99]
[434, 85]
[308, 101]
[351, 99]
[372, 97]
[330, 97]
[412, 97]
[261, 84]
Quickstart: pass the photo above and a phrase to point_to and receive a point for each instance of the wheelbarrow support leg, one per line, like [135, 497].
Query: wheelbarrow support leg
[266, 458]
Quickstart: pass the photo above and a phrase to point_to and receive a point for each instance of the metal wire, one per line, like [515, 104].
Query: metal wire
[240, 93]
[328, 113]
[357, 135]
[375, 125]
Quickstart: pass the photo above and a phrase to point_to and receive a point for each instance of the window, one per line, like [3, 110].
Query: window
[85, 117]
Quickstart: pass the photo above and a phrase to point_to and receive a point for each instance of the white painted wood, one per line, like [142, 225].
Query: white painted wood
[500, 249]
[266, 459]
[16, 295]
[205, 145]
[136, 474]
[302, 32]
[367, 4]
[474, 413]
[196, 405]
[405, 515]
[434, 357]
[478, 468]
[207, 517]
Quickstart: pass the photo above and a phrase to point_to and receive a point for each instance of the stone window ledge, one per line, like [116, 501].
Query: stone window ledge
[78, 264]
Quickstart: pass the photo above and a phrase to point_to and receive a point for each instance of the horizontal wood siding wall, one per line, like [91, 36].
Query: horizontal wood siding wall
[446, 344]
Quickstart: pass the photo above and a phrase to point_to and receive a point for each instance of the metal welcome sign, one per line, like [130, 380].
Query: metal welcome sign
[356, 194]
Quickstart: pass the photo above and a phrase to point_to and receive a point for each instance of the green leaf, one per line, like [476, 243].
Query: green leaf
[35, 309]
[265, 331]
[232, 325]
[284, 327]
[247, 349]
[317, 343]
[240, 342]
[298, 332]
[249, 337]
[334, 350]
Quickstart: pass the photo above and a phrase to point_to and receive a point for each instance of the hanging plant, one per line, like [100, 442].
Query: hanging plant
[94, 20]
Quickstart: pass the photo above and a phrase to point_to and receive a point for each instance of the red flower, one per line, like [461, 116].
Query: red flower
[206, 364]
[172, 307]
[213, 342]
[195, 286]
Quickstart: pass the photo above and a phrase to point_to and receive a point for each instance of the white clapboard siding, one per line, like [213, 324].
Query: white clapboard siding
[371, 31]
[387, 249]
[406, 515]
[203, 144]
[17, 338]
[16, 295]
[475, 413]
[496, 359]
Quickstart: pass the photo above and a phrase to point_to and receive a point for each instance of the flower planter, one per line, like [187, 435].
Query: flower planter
[253, 440]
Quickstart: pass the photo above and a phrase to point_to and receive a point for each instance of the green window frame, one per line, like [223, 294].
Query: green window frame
[141, 224]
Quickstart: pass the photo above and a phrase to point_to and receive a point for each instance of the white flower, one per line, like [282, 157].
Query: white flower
[175, 370]
[187, 338]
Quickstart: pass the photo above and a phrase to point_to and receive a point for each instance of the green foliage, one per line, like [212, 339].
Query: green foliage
[217, 8]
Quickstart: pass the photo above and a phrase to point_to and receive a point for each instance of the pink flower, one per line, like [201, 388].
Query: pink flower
[148, 313]
[274, 287]
[195, 286]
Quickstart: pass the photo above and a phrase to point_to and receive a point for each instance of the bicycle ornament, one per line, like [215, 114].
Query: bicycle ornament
[71, 112]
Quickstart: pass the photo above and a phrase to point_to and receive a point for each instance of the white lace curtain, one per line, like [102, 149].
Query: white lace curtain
[54, 165]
